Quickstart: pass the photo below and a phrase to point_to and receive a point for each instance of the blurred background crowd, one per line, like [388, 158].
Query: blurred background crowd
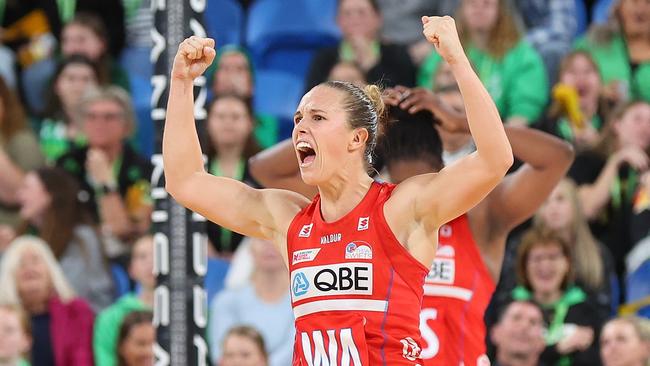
[76, 137]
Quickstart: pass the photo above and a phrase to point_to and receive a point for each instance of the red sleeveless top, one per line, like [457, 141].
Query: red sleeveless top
[457, 291]
[356, 292]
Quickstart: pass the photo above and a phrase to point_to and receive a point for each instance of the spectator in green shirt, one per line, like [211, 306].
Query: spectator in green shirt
[107, 324]
[57, 131]
[233, 74]
[621, 49]
[510, 68]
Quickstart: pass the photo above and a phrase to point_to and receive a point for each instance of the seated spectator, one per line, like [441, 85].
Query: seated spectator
[87, 35]
[626, 341]
[577, 111]
[622, 51]
[62, 323]
[57, 131]
[136, 338]
[233, 75]
[15, 336]
[230, 144]
[84, 32]
[264, 303]
[348, 71]
[608, 177]
[360, 22]
[550, 27]
[243, 346]
[545, 276]
[510, 68]
[114, 178]
[50, 207]
[519, 335]
[105, 338]
[592, 262]
[19, 153]
[402, 23]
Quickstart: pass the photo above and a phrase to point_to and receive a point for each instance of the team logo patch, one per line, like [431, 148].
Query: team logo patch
[445, 231]
[305, 232]
[363, 224]
[305, 255]
[358, 250]
[300, 284]
[410, 349]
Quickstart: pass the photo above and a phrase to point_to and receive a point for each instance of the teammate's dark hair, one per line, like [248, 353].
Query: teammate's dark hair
[411, 137]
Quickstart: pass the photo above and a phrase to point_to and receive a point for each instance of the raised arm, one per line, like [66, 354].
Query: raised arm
[225, 201]
[546, 161]
[439, 198]
[277, 167]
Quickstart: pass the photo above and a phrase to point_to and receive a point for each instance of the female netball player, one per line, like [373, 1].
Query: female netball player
[358, 253]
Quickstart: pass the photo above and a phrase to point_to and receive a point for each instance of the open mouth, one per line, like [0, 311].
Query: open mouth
[306, 153]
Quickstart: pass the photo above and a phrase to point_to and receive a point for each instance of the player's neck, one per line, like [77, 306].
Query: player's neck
[343, 193]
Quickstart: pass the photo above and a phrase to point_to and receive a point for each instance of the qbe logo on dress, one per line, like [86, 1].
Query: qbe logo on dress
[300, 284]
[354, 278]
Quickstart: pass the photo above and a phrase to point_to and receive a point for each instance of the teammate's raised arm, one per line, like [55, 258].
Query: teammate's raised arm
[457, 188]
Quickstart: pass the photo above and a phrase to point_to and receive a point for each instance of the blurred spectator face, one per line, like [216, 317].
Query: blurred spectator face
[81, 40]
[33, 197]
[73, 81]
[229, 123]
[546, 267]
[621, 345]
[557, 211]
[141, 267]
[345, 71]
[241, 351]
[357, 18]
[480, 15]
[137, 347]
[635, 17]
[233, 76]
[582, 75]
[104, 124]
[265, 256]
[33, 280]
[520, 330]
[14, 341]
[633, 129]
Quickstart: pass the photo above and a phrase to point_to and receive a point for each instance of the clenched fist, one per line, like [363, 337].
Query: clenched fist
[442, 33]
[195, 54]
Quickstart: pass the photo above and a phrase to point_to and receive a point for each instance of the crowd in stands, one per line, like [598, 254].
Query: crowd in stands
[76, 137]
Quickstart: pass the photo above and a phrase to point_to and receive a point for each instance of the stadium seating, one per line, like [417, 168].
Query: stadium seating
[224, 21]
[581, 17]
[214, 278]
[120, 280]
[600, 11]
[283, 35]
[637, 283]
[278, 93]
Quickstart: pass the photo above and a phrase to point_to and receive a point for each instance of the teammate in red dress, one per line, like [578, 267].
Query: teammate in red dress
[467, 265]
[358, 253]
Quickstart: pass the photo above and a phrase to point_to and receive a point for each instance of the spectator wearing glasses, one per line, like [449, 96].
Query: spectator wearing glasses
[114, 179]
